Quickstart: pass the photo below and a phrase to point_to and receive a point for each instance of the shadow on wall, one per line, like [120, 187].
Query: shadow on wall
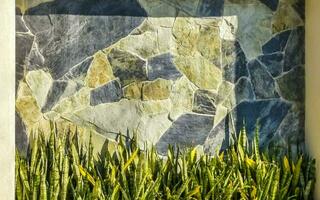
[174, 72]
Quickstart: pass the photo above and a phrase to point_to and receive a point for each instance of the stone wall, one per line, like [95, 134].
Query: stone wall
[184, 72]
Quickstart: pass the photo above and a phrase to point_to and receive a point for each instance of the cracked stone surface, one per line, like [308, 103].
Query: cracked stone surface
[185, 73]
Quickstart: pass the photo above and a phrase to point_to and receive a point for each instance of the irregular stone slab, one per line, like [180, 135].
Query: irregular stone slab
[228, 27]
[270, 114]
[78, 72]
[162, 66]
[84, 35]
[181, 97]
[187, 131]
[234, 62]
[204, 102]
[156, 90]
[40, 83]
[21, 139]
[272, 4]
[23, 48]
[277, 43]
[210, 8]
[110, 92]
[225, 88]
[127, 67]
[292, 85]
[299, 6]
[20, 26]
[273, 63]
[254, 22]
[100, 71]
[243, 90]
[262, 81]
[285, 17]
[294, 54]
[199, 71]
[59, 89]
[133, 91]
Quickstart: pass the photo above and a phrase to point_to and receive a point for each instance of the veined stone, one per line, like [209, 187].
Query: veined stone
[292, 85]
[198, 37]
[78, 72]
[162, 66]
[110, 92]
[188, 130]
[133, 91]
[243, 90]
[156, 90]
[199, 71]
[270, 114]
[84, 34]
[273, 63]
[294, 53]
[263, 83]
[78, 101]
[27, 106]
[234, 62]
[40, 83]
[20, 26]
[277, 43]
[59, 90]
[228, 28]
[127, 67]
[254, 22]
[221, 113]
[181, 97]
[100, 71]
[224, 90]
[285, 17]
[204, 102]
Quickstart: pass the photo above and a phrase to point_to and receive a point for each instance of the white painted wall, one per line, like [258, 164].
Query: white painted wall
[313, 83]
[7, 69]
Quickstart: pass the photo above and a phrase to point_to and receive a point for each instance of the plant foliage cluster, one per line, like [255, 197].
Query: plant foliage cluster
[61, 167]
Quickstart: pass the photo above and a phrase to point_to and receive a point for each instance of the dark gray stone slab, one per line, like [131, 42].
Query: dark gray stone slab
[20, 26]
[273, 63]
[23, 47]
[212, 8]
[292, 85]
[110, 92]
[188, 130]
[272, 4]
[277, 43]
[238, 68]
[79, 71]
[21, 138]
[262, 81]
[204, 102]
[243, 90]
[54, 94]
[270, 114]
[66, 40]
[294, 54]
[127, 67]
[162, 66]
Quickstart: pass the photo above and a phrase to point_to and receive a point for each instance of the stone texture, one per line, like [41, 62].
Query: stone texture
[204, 102]
[294, 53]
[285, 17]
[188, 130]
[182, 95]
[254, 21]
[162, 66]
[127, 67]
[292, 85]
[100, 71]
[156, 90]
[272, 4]
[277, 43]
[20, 26]
[133, 91]
[84, 35]
[200, 71]
[263, 83]
[273, 63]
[78, 73]
[110, 92]
[243, 90]
[270, 114]
[234, 62]
[40, 83]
